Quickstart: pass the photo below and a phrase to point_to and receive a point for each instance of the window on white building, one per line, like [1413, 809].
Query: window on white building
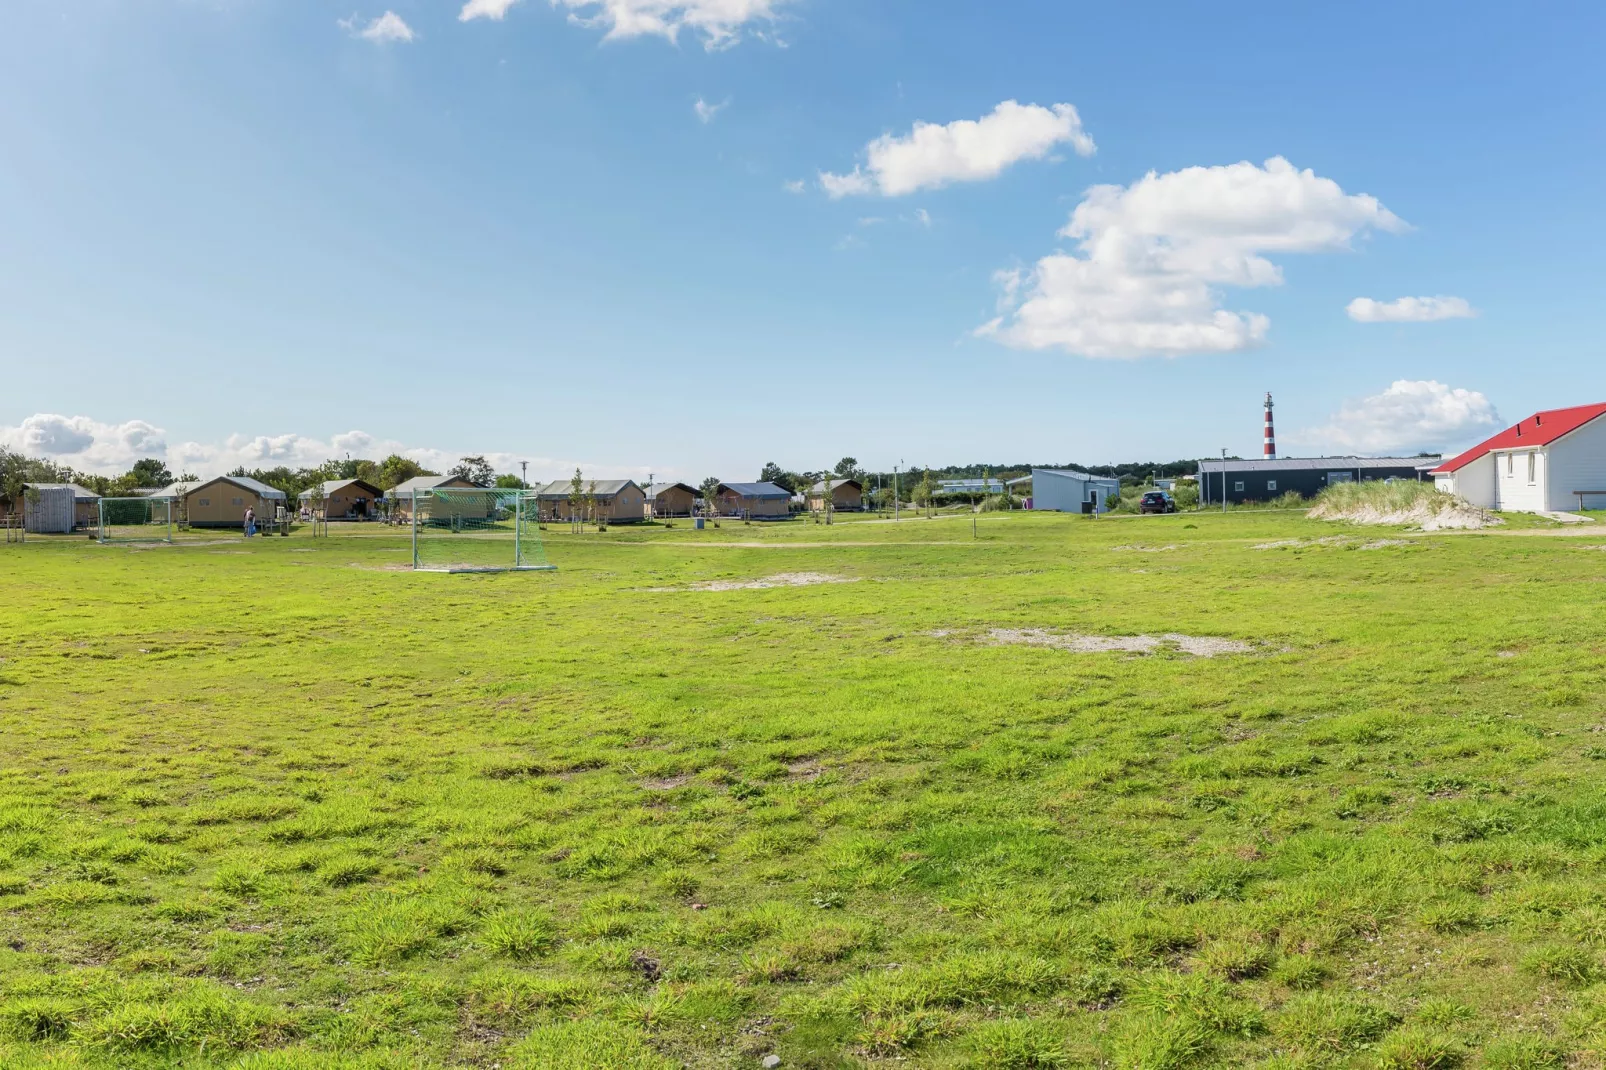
[1509, 463]
[1532, 462]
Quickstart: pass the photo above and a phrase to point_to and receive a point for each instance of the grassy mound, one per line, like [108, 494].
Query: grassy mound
[1418, 504]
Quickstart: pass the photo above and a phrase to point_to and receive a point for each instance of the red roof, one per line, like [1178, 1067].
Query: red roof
[1540, 429]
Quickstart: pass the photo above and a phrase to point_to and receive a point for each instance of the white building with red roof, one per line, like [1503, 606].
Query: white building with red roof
[1553, 461]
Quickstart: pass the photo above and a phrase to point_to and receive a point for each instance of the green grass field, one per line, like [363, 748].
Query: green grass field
[281, 803]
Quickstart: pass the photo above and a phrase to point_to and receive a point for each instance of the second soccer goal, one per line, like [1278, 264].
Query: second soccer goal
[481, 530]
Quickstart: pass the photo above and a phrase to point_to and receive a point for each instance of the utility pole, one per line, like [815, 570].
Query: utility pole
[895, 488]
[524, 474]
[1223, 479]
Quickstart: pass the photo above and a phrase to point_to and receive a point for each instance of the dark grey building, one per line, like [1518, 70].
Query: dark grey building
[1260, 480]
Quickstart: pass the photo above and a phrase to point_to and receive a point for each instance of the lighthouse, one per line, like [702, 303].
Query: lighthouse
[1270, 450]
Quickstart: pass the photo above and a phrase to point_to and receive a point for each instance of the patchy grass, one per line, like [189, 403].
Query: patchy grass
[268, 810]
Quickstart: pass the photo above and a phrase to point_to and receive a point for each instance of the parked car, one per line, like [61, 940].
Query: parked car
[1157, 501]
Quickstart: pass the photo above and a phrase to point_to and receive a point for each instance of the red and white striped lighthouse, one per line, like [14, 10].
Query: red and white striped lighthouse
[1270, 450]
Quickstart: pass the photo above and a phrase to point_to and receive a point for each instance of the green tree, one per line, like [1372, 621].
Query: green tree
[577, 497]
[477, 470]
[709, 488]
[848, 468]
[397, 469]
[510, 482]
[148, 472]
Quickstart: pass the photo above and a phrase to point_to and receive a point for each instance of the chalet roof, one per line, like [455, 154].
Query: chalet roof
[1540, 429]
[655, 489]
[406, 487]
[255, 486]
[559, 489]
[756, 490]
[1307, 464]
[79, 493]
[330, 486]
[832, 484]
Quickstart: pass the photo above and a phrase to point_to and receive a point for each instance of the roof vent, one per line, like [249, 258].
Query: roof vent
[1539, 419]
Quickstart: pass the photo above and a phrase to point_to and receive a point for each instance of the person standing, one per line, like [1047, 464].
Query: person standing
[250, 522]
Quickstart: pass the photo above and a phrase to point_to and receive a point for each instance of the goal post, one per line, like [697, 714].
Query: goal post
[456, 529]
[135, 520]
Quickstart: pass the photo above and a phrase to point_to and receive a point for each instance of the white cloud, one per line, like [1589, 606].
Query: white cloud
[966, 150]
[1409, 309]
[83, 443]
[922, 217]
[108, 449]
[386, 28]
[495, 10]
[720, 23]
[1411, 415]
[706, 111]
[1151, 256]
[795, 185]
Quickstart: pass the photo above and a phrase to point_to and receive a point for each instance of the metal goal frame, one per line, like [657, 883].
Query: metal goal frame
[158, 513]
[473, 515]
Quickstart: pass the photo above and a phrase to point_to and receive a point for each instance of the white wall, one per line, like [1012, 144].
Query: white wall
[1578, 462]
[1512, 490]
[1065, 493]
[1475, 482]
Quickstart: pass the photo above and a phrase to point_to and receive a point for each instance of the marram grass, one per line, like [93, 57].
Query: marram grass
[280, 805]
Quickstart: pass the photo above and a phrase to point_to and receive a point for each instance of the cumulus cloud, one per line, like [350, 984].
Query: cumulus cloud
[108, 449]
[720, 23]
[387, 28]
[1409, 309]
[495, 10]
[706, 111]
[1151, 259]
[1411, 415]
[966, 150]
[83, 443]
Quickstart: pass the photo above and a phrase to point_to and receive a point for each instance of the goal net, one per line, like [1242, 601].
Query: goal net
[461, 530]
[135, 520]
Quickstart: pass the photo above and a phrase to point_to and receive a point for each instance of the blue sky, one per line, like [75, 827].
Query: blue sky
[250, 231]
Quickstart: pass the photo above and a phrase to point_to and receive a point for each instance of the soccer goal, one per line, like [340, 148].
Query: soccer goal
[135, 520]
[462, 530]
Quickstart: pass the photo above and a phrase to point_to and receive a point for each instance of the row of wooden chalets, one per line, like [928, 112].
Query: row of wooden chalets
[225, 501]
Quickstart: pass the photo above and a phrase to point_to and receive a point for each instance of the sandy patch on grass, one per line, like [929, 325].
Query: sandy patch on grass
[1445, 515]
[1381, 544]
[1330, 540]
[1141, 549]
[1200, 646]
[780, 579]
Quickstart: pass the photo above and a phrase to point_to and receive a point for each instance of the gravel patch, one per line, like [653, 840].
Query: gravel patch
[1382, 544]
[1199, 646]
[780, 579]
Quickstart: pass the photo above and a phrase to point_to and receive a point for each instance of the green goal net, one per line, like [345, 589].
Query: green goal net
[135, 520]
[461, 530]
